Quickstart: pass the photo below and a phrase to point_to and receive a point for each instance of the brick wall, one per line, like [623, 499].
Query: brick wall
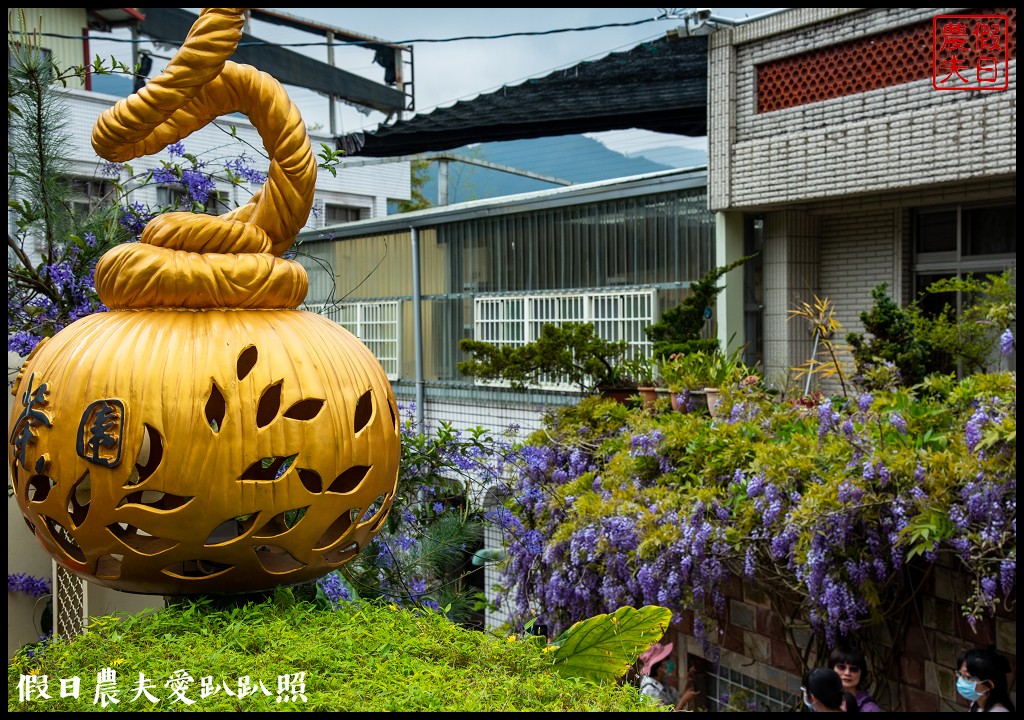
[922, 649]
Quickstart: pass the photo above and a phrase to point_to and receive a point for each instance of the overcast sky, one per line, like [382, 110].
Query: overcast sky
[447, 70]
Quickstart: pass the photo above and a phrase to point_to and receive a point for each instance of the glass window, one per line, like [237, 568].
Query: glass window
[88, 194]
[966, 240]
[177, 198]
[990, 231]
[337, 214]
[964, 234]
[729, 690]
[935, 232]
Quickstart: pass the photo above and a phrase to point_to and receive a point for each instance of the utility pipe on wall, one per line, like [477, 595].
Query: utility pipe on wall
[417, 326]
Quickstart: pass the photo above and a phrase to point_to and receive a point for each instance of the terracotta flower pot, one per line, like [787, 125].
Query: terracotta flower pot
[688, 400]
[649, 395]
[713, 397]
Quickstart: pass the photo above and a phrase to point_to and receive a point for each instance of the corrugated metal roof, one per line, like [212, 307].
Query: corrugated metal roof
[648, 183]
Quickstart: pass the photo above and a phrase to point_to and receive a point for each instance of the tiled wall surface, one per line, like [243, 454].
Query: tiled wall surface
[877, 140]
[835, 168]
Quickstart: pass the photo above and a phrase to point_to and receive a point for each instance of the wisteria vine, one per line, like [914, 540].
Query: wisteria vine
[824, 506]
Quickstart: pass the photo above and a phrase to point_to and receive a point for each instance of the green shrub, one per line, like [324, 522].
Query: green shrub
[679, 330]
[362, 657]
[944, 339]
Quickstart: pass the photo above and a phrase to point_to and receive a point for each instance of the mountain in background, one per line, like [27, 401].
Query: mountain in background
[576, 158]
[677, 157]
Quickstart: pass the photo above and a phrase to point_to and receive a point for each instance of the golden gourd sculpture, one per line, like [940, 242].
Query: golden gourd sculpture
[205, 436]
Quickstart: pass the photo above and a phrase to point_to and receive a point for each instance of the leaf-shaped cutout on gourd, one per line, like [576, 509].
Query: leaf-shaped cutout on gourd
[270, 405]
[292, 517]
[216, 408]
[376, 512]
[311, 480]
[277, 560]
[349, 480]
[268, 469]
[603, 647]
[335, 531]
[151, 452]
[246, 361]
[340, 556]
[38, 487]
[227, 531]
[108, 566]
[155, 500]
[363, 413]
[305, 409]
[139, 540]
[64, 539]
[394, 416]
[198, 568]
[381, 514]
[281, 523]
[79, 500]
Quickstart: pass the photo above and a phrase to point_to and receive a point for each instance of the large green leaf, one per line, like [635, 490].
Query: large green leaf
[603, 647]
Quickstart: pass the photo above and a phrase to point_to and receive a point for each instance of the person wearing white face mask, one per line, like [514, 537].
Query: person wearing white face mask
[981, 680]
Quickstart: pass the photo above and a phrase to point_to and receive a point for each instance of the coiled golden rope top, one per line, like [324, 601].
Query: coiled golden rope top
[201, 261]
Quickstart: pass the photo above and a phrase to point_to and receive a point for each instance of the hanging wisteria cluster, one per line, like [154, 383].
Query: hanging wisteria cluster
[825, 508]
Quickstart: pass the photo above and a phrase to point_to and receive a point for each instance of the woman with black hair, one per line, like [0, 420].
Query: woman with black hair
[849, 663]
[823, 692]
[981, 680]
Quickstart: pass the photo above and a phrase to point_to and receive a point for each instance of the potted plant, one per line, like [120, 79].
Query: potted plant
[645, 374]
[701, 374]
[572, 353]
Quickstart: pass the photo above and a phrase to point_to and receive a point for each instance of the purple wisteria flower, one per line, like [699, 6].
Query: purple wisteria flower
[111, 169]
[1007, 343]
[828, 420]
[24, 583]
[898, 422]
[334, 589]
[973, 430]
[864, 402]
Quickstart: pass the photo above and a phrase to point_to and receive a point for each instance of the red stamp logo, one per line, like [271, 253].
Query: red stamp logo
[969, 52]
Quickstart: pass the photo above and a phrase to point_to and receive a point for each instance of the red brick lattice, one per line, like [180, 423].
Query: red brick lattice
[891, 58]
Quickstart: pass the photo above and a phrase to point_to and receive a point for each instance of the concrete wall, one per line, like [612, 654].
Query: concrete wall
[836, 179]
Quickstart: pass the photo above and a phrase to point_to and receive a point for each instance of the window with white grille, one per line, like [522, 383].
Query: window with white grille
[515, 320]
[731, 691]
[376, 324]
